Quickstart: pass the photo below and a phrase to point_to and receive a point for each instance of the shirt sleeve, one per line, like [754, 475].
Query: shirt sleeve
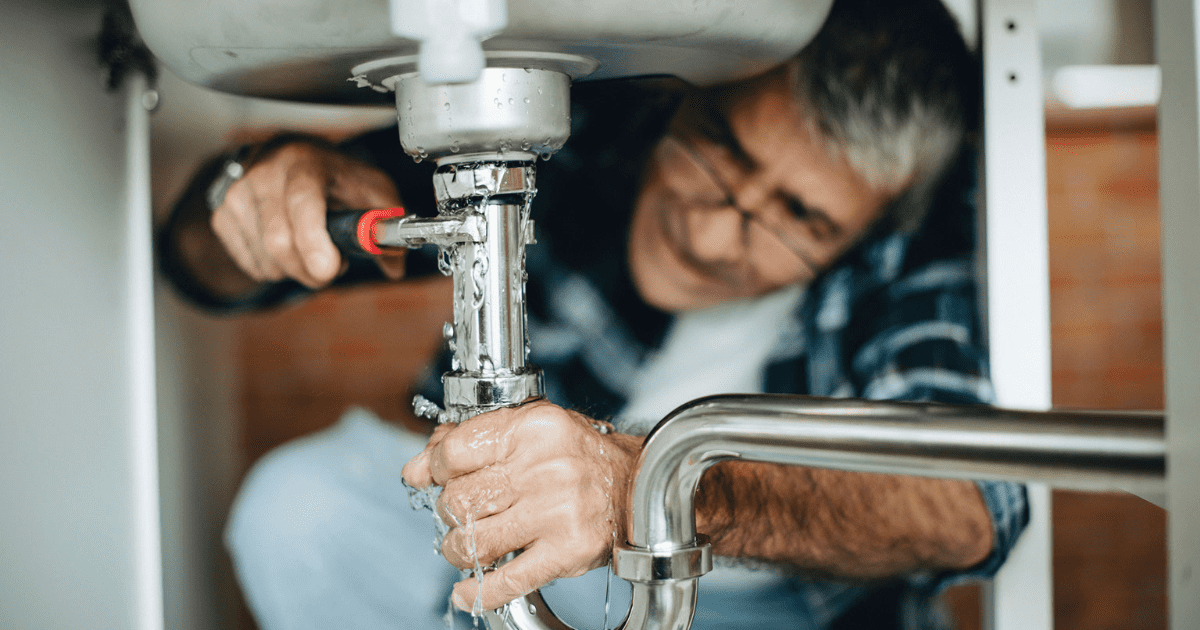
[919, 338]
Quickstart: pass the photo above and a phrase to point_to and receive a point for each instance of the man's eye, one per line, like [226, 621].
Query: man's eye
[815, 222]
[798, 209]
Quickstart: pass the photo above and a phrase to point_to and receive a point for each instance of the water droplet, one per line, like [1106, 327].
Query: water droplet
[525, 145]
[608, 586]
[503, 77]
[526, 100]
[497, 102]
[539, 90]
[410, 106]
[454, 148]
[529, 71]
[416, 158]
[511, 102]
[446, 106]
[477, 607]
[545, 155]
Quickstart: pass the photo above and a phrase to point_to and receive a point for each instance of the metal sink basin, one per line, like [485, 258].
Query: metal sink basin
[304, 50]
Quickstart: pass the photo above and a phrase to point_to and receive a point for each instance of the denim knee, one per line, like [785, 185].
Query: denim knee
[286, 510]
[322, 535]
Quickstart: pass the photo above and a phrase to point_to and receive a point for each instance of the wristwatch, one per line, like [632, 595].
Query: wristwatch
[232, 170]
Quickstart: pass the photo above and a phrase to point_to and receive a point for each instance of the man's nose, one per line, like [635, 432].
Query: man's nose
[751, 194]
[717, 235]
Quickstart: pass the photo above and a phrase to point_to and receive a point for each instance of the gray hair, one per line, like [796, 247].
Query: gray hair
[891, 88]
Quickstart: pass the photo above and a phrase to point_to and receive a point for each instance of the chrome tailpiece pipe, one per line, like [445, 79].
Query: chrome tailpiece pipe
[485, 137]
[481, 231]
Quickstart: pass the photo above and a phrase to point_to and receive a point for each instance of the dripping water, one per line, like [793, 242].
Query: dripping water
[477, 607]
[425, 499]
[608, 571]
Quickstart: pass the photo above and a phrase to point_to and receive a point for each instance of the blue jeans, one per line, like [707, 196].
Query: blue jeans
[322, 536]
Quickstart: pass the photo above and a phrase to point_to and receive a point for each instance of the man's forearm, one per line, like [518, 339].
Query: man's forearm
[854, 525]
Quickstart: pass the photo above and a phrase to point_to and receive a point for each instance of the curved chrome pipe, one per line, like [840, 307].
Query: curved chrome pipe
[666, 605]
[1085, 450]
[1072, 449]
[664, 557]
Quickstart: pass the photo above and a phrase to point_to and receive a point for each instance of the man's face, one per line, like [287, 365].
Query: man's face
[740, 201]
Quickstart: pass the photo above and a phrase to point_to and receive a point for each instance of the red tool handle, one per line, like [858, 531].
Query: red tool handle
[353, 231]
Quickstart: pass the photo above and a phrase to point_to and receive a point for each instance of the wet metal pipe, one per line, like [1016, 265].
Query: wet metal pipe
[1070, 449]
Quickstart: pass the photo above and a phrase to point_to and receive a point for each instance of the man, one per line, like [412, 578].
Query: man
[805, 231]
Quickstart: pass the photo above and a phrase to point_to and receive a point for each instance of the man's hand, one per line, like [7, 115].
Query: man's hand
[541, 479]
[536, 478]
[272, 221]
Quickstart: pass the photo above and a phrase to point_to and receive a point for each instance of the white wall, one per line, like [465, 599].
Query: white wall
[68, 505]
[1178, 49]
[80, 542]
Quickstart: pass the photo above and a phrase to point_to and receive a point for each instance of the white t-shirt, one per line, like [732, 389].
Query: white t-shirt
[721, 349]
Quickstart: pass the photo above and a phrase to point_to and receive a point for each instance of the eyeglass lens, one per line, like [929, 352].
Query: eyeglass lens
[788, 233]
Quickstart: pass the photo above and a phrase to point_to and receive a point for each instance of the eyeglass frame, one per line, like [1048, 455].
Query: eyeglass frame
[730, 200]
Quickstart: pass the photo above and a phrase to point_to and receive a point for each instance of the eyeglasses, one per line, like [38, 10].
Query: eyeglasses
[780, 223]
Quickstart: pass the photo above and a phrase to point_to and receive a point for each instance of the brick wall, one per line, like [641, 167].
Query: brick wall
[1106, 352]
